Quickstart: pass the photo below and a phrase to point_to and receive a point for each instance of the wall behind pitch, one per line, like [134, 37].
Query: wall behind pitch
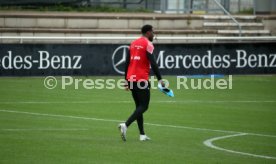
[108, 59]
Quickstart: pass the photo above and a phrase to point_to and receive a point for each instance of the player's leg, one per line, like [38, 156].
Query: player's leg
[135, 98]
[140, 123]
[142, 97]
[123, 126]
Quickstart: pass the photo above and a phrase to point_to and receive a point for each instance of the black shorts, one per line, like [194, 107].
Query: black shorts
[141, 85]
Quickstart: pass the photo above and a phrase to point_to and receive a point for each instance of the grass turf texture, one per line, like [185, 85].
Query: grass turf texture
[28, 138]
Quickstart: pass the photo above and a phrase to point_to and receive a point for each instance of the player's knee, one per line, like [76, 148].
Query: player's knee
[144, 108]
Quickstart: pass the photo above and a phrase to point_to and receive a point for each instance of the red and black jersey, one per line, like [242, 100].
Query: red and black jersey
[139, 64]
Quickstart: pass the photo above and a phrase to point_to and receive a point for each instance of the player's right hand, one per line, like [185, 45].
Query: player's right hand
[126, 86]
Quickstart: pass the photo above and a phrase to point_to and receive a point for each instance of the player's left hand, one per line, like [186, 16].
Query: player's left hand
[163, 83]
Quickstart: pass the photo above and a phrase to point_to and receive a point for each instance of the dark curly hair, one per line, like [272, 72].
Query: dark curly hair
[146, 28]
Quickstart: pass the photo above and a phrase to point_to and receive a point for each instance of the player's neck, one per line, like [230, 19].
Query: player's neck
[143, 36]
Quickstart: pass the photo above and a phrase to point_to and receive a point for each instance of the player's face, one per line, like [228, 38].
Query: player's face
[151, 35]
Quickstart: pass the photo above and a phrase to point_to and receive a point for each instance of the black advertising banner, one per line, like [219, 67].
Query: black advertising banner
[109, 59]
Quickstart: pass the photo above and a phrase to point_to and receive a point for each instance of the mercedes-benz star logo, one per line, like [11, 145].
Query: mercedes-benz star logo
[119, 59]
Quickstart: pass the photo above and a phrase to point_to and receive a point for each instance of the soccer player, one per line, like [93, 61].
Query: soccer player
[138, 61]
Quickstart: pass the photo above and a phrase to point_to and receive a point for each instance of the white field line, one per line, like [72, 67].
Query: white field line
[118, 121]
[119, 102]
[56, 129]
[209, 143]
[65, 102]
[62, 116]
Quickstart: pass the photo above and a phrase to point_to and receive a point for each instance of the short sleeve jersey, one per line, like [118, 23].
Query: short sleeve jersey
[139, 64]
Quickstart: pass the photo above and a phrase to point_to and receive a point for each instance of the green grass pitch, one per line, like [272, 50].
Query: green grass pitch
[38, 125]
